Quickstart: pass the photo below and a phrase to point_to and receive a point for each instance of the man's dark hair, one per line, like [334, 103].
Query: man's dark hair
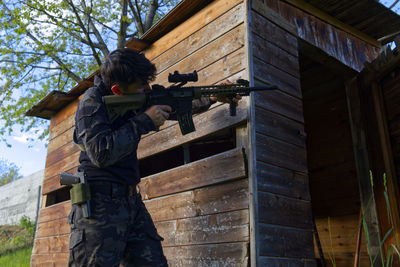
[126, 66]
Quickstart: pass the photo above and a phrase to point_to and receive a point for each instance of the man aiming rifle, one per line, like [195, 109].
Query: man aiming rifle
[117, 229]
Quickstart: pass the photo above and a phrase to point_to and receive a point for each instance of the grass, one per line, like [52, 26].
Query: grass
[17, 258]
[16, 243]
[392, 251]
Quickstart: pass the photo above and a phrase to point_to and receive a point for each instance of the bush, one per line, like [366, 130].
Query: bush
[13, 238]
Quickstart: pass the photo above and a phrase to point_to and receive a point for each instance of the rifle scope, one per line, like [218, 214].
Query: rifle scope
[182, 78]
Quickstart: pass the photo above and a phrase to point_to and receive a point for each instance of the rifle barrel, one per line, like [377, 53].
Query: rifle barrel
[231, 89]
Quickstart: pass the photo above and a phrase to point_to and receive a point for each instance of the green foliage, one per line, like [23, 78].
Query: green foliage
[13, 238]
[20, 258]
[48, 45]
[26, 224]
[331, 253]
[392, 251]
[8, 172]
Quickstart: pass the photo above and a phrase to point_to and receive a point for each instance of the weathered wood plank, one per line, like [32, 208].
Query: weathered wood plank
[357, 107]
[217, 228]
[345, 47]
[282, 241]
[285, 10]
[190, 26]
[207, 55]
[276, 209]
[269, 123]
[54, 212]
[60, 140]
[49, 260]
[383, 163]
[260, 7]
[281, 103]
[282, 181]
[274, 55]
[227, 254]
[62, 127]
[197, 40]
[54, 244]
[61, 153]
[279, 153]
[205, 123]
[216, 169]
[269, 74]
[341, 235]
[66, 163]
[65, 113]
[274, 34]
[51, 177]
[287, 262]
[53, 228]
[53, 183]
[204, 201]
[228, 66]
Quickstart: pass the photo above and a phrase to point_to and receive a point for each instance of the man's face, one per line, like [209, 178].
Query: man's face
[138, 87]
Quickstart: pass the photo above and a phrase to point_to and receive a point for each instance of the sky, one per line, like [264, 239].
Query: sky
[31, 157]
[28, 159]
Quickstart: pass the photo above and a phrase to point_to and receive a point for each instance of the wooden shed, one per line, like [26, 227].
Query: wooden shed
[243, 190]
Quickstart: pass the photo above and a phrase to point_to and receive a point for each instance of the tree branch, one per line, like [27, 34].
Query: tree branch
[101, 45]
[151, 13]
[85, 31]
[123, 25]
[136, 15]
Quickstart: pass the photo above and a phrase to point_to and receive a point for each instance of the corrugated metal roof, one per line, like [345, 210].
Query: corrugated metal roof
[367, 16]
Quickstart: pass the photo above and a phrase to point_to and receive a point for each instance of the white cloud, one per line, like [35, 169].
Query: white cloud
[23, 138]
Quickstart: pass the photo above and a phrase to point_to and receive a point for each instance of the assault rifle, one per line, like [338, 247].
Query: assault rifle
[179, 98]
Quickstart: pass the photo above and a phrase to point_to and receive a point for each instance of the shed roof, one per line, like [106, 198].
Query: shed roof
[367, 16]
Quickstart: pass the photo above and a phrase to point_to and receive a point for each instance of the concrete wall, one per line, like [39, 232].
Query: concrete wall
[20, 198]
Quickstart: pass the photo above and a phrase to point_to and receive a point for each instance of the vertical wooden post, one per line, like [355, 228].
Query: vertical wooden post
[387, 158]
[368, 204]
[280, 219]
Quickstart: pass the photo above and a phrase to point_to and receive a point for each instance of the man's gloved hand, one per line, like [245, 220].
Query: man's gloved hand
[223, 98]
[158, 114]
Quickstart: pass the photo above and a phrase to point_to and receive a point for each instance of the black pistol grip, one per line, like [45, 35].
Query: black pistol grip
[68, 178]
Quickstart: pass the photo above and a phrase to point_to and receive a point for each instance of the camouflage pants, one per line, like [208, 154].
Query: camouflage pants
[119, 231]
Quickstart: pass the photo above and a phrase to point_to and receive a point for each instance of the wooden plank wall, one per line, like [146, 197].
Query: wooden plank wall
[283, 222]
[341, 45]
[201, 209]
[339, 240]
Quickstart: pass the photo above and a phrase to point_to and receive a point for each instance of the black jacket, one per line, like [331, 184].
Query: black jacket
[109, 149]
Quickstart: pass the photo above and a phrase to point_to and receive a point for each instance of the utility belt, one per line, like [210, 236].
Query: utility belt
[115, 190]
[81, 190]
